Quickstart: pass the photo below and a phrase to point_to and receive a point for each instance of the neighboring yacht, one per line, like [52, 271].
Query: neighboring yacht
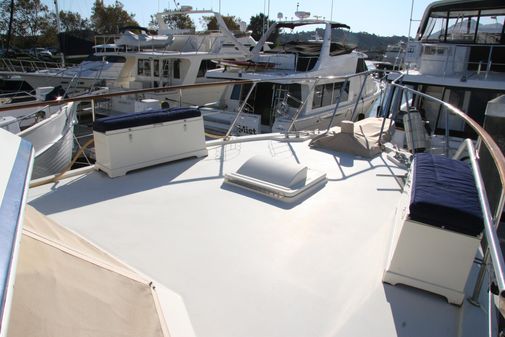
[51, 133]
[139, 60]
[184, 60]
[291, 87]
[458, 56]
[307, 233]
[89, 73]
[395, 55]
[47, 124]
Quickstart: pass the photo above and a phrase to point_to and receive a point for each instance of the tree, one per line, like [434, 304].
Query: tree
[108, 19]
[174, 21]
[30, 18]
[259, 24]
[71, 21]
[231, 22]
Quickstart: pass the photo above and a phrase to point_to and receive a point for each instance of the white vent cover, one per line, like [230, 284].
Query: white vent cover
[279, 180]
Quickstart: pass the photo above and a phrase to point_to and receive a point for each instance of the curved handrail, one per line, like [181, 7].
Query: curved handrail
[494, 249]
[491, 145]
[122, 93]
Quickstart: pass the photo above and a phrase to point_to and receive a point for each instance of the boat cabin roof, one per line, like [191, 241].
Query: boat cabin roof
[246, 264]
[298, 23]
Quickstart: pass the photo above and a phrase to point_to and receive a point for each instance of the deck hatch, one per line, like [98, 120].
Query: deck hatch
[284, 181]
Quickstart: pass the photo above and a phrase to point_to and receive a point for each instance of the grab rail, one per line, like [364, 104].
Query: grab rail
[490, 232]
[244, 103]
[87, 98]
[15, 65]
[365, 74]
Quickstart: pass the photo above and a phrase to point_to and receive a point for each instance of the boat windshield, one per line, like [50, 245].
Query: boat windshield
[465, 26]
[307, 39]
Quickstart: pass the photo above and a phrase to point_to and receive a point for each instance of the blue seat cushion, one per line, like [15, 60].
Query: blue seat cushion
[130, 120]
[444, 195]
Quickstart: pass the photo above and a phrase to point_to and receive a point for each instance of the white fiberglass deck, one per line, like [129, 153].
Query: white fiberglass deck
[248, 266]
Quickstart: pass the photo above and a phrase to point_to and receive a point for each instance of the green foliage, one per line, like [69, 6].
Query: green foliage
[259, 24]
[230, 21]
[108, 19]
[30, 19]
[174, 21]
[71, 21]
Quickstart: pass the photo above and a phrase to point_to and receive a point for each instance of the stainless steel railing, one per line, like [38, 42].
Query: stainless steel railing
[493, 253]
[14, 65]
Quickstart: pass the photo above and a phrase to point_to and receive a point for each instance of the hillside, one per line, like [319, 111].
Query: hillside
[366, 42]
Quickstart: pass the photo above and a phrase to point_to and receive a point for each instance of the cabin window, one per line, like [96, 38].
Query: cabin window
[165, 70]
[461, 26]
[337, 88]
[435, 28]
[466, 26]
[361, 66]
[177, 69]
[434, 50]
[168, 65]
[289, 93]
[235, 94]
[144, 67]
[327, 94]
[491, 24]
[206, 65]
[156, 68]
[295, 93]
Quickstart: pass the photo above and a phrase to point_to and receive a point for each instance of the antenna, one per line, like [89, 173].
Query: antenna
[302, 15]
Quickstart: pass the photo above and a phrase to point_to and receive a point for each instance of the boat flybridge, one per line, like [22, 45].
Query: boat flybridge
[458, 56]
[334, 232]
[298, 81]
[183, 60]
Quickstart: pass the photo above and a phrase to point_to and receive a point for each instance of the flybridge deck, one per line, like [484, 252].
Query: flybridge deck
[246, 264]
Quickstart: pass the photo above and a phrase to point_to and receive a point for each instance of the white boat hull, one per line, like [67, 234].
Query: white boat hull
[220, 121]
[52, 140]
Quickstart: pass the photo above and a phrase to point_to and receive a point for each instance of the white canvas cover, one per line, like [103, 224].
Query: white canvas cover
[65, 286]
[131, 39]
[360, 138]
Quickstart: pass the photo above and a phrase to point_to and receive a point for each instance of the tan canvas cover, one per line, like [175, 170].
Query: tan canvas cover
[65, 286]
[360, 138]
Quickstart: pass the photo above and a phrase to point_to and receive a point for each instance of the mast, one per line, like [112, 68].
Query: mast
[410, 22]
[58, 27]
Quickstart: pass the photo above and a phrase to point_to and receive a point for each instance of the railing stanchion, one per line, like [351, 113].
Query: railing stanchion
[358, 98]
[240, 110]
[93, 109]
[446, 132]
[339, 98]
[474, 299]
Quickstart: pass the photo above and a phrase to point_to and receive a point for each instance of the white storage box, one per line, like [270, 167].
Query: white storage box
[128, 142]
[436, 239]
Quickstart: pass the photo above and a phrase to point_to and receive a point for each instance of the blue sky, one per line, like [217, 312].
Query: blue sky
[381, 17]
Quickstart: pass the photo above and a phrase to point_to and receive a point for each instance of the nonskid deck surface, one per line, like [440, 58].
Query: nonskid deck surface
[246, 265]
